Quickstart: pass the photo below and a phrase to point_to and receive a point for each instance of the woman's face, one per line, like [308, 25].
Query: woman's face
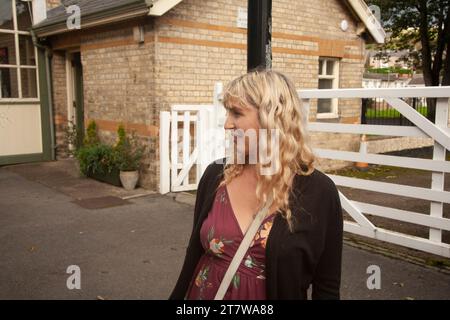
[243, 120]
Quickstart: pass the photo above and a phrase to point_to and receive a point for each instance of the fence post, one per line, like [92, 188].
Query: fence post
[306, 106]
[186, 142]
[173, 145]
[164, 150]
[202, 127]
[219, 111]
[437, 178]
[219, 122]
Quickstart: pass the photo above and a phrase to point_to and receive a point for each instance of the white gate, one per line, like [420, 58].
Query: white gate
[438, 166]
[192, 145]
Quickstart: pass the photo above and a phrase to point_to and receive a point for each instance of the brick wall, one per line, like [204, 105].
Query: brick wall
[119, 87]
[199, 44]
[196, 44]
[60, 103]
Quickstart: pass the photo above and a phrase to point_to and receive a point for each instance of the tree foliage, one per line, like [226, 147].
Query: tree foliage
[422, 29]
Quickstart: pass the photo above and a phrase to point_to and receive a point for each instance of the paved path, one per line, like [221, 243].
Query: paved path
[134, 250]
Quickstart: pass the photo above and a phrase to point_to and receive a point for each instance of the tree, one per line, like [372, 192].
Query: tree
[422, 27]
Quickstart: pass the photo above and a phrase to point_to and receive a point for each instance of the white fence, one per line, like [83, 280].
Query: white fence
[175, 166]
[438, 166]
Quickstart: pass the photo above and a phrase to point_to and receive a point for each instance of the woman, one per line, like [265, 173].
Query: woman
[299, 243]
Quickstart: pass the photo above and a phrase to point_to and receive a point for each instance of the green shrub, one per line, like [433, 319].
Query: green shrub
[97, 158]
[390, 70]
[129, 152]
[91, 137]
[100, 158]
[94, 156]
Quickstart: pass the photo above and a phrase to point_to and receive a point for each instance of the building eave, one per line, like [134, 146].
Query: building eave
[371, 23]
[93, 20]
[160, 7]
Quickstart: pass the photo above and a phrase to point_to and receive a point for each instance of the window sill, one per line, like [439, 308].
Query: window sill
[4, 101]
[326, 116]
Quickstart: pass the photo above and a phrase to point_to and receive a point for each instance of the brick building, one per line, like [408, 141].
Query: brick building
[132, 59]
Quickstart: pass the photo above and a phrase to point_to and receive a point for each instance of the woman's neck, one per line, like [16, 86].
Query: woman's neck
[250, 172]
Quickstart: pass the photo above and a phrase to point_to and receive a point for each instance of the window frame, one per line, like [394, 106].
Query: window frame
[322, 74]
[18, 66]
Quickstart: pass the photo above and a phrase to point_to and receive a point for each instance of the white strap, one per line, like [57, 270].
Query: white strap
[245, 244]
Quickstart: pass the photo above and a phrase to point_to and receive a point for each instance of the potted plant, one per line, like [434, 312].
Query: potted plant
[98, 160]
[129, 154]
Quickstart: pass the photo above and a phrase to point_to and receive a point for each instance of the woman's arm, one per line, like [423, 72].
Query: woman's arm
[181, 286]
[327, 278]
[194, 249]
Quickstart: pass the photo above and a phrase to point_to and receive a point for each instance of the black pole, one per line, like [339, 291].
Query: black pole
[259, 34]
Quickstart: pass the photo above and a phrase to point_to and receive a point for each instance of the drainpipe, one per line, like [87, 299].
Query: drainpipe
[259, 34]
[48, 55]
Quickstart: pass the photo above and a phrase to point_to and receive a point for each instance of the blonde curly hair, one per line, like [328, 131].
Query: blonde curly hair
[279, 107]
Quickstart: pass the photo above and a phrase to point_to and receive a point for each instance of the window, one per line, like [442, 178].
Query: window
[18, 71]
[328, 79]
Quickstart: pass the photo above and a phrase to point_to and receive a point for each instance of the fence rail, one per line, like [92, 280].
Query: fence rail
[419, 126]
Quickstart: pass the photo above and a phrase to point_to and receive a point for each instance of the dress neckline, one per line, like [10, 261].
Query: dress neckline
[234, 215]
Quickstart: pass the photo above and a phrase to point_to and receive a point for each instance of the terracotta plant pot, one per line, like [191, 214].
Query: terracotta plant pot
[129, 179]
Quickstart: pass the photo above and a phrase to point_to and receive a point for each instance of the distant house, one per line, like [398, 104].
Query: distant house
[132, 59]
[384, 80]
[393, 60]
[418, 81]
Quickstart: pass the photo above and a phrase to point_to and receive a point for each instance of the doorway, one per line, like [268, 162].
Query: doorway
[75, 97]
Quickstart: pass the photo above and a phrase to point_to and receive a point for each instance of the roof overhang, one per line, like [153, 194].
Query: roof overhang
[160, 7]
[371, 23]
[59, 25]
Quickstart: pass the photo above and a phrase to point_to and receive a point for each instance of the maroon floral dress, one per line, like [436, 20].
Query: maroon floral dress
[221, 236]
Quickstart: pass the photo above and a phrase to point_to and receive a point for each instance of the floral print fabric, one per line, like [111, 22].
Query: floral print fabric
[221, 236]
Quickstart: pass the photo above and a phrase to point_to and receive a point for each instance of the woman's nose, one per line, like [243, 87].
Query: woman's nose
[228, 123]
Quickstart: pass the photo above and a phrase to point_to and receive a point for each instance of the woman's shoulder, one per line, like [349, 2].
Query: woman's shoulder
[214, 169]
[315, 182]
[315, 198]
[318, 179]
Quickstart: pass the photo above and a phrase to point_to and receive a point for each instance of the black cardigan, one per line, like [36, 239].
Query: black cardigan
[310, 255]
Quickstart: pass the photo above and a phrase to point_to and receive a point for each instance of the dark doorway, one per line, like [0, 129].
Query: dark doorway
[78, 98]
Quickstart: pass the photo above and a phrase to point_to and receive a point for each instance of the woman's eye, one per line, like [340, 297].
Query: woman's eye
[235, 113]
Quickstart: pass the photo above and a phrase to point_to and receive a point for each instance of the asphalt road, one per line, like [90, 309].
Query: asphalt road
[135, 250]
